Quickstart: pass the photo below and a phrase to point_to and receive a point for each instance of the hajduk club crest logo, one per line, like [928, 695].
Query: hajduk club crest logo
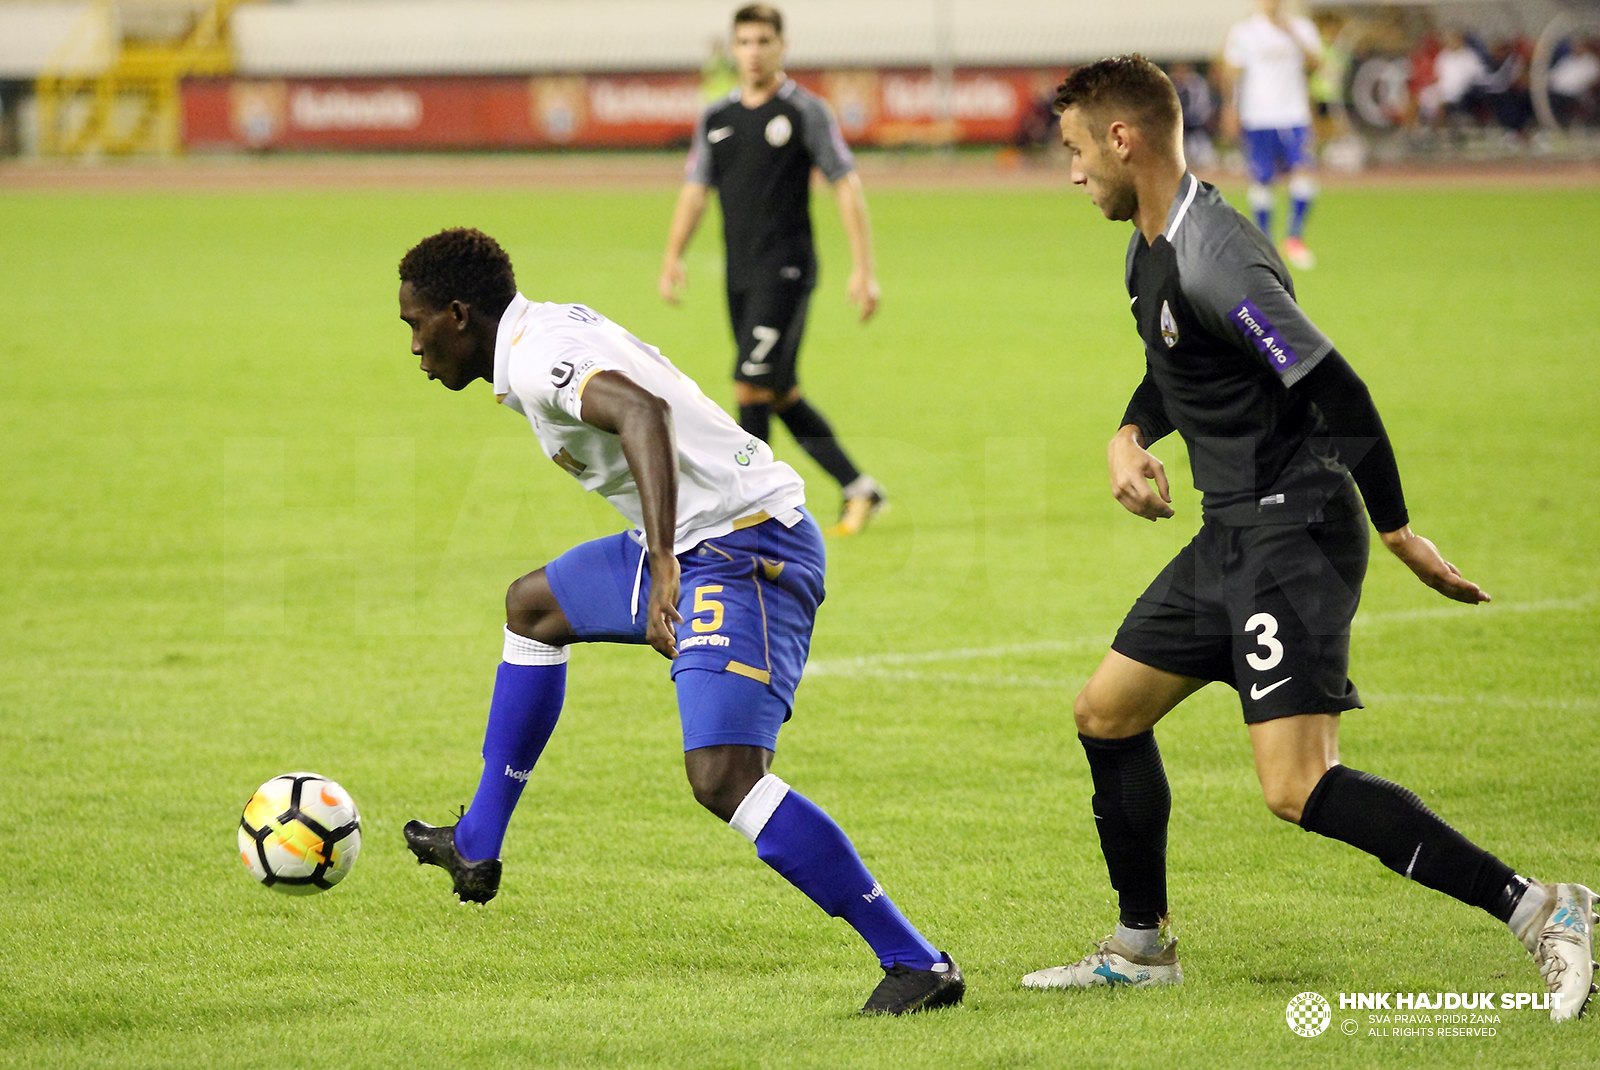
[1169, 326]
[1308, 1014]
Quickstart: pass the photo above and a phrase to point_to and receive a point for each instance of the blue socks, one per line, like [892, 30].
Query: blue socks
[795, 837]
[1297, 215]
[526, 705]
[1302, 191]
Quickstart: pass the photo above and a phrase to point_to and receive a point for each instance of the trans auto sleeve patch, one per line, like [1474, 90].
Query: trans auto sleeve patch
[1261, 333]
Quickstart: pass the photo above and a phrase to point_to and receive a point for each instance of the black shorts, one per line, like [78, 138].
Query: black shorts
[1264, 609]
[768, 321]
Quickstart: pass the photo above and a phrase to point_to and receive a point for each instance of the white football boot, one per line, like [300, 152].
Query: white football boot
[1113, 963]
[1560, 937]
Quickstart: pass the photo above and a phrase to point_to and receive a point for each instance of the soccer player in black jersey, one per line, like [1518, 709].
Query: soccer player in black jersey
[758, 146]
[1286, 445]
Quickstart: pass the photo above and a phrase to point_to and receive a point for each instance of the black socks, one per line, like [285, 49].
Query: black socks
[810, 429]
[756, 420]
[1132, 803]
[1386, 820]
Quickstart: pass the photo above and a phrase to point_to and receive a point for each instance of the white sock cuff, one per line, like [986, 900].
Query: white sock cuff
[1302, 187]
[1260, 197]
[520, 650]
[756, 810]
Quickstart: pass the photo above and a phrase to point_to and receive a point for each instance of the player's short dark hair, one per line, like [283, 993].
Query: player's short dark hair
[461, 264]
[760, 13]
[1127, 87]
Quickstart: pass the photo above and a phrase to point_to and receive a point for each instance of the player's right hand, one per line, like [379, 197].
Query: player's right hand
[673, 281]
[662, 612]
[1132, 470]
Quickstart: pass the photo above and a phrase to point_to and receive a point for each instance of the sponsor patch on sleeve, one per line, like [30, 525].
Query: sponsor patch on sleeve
[1259, 330]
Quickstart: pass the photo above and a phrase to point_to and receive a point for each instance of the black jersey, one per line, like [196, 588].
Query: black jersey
[760, 160]
[1225, 342]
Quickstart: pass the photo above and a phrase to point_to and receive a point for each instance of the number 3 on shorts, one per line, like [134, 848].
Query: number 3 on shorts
[702, 604]
[1267, 625]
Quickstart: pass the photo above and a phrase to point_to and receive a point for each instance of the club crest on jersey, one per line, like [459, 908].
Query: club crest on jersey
[779, 130]
[1169, 326]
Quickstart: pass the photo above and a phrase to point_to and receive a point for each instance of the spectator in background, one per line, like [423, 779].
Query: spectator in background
[1423, 75]
[1199, 112]
[1573, 79]
[1036, 127]
[1506, 90]
[1459, 71]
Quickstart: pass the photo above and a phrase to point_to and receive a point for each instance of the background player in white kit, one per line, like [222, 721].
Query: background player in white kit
[722, 574]
[1266, 104]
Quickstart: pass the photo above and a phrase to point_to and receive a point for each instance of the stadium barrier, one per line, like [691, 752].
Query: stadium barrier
[875, 107]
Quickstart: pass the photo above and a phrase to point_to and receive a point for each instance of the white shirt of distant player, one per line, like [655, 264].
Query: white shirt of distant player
[1272, 83]
[544, 356]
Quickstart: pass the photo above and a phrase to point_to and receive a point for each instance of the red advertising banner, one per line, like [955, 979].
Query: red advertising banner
[584, 111]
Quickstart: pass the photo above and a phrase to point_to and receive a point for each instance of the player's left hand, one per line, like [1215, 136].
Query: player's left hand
[863, 293]
[662, 612]
[1423, 558]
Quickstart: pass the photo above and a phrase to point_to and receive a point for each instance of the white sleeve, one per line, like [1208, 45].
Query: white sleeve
[1236, 53]
[1306, 31]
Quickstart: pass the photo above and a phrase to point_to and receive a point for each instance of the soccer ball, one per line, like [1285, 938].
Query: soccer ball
[299, 834]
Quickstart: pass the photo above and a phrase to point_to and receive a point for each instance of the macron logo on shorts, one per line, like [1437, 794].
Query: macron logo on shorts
[1264, 336]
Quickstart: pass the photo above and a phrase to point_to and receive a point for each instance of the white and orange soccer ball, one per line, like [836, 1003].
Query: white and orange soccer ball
[299, 834]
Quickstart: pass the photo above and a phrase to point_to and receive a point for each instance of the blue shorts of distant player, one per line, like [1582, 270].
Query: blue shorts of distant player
[1270, 153]
[749, 600]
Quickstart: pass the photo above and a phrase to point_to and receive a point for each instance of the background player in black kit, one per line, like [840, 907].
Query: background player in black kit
[758, 146]
[1282, 435]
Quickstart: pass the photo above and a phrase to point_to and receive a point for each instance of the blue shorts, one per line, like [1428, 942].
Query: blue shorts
[1270, 153]
[749, 600]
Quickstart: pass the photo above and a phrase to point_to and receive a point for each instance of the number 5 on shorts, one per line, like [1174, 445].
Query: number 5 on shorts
[702, 604]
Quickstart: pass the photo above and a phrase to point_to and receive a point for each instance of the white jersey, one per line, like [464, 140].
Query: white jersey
[1272, 64]
[544, 356]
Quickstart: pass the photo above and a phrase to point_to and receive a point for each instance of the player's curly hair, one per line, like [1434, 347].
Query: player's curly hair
[1128, 87]
[461, 264]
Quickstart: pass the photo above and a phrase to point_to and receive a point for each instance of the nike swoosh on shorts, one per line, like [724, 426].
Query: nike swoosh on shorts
[1257, 691]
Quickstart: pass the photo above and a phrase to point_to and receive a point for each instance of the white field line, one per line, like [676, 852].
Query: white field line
[890, 666]
[1402, 698]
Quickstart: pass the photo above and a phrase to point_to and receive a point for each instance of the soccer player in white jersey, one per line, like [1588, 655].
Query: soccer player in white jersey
[1266, 104]
[722, 573]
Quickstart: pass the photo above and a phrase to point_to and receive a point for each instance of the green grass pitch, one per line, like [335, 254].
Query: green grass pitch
[241, 534]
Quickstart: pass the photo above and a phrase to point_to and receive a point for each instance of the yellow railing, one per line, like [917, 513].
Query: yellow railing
[134, 104]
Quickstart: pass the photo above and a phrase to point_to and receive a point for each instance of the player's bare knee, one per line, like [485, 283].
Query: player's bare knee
[1285, 800]
[717, 791]
[1092, 719]
[746, 394]
[528, 603]
[721, 776]
[780, 404]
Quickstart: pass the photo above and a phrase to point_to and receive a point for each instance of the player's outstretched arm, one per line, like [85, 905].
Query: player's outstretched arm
[685, 218]
[1132, 470]
[1353, 421]
[1424, 559]
[613, 402]
[862, 290]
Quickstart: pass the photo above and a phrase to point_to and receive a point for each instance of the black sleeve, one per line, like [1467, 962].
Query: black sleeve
[1353, 419]
[1147, 411]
